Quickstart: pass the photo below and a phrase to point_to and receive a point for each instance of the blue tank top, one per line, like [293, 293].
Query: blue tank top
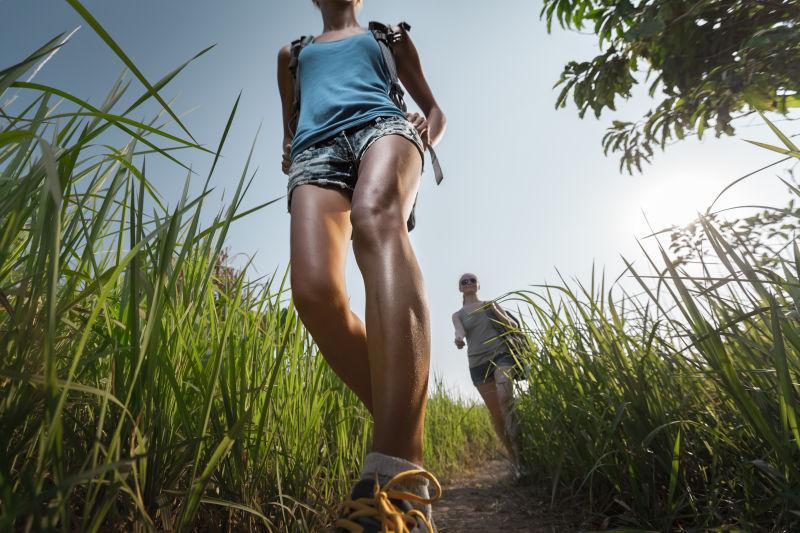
[343, 84]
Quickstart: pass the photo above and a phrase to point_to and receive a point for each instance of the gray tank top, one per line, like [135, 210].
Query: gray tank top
[483, 343]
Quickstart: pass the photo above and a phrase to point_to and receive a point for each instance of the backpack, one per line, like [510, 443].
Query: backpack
[386, 36]
[515, 339]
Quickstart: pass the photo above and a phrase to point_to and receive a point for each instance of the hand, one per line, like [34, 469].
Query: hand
[420, 123]
[287, 160]
[460, 343]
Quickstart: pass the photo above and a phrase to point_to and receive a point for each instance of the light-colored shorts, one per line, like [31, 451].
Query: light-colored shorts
[334, 162]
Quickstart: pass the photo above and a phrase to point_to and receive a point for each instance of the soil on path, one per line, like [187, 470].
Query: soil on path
[489, 500]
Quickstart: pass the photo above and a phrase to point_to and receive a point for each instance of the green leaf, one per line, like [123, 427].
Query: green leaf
[98, 28]
[645, 28]
[14, 136]
[783, 137]
[777, 149]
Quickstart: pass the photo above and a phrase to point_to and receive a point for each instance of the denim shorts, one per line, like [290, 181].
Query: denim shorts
[484, 373]
[334, 162]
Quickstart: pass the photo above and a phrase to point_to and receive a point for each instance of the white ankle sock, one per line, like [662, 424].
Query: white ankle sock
[387, 466]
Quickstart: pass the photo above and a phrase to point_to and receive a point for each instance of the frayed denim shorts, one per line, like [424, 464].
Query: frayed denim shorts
[484, 373]
[334, 162]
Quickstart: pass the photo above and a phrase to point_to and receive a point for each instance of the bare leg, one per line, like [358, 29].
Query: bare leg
[505, 399]
[396, 310]
[320, 234]
[488, 392]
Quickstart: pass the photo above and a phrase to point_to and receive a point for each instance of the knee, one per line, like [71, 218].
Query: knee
[315, 296]
[374, 221]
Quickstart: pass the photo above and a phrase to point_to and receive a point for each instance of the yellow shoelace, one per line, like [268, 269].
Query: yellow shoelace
[380, 507]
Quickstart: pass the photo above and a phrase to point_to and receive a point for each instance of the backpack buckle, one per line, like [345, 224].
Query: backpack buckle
[387, 33]
[397, 36]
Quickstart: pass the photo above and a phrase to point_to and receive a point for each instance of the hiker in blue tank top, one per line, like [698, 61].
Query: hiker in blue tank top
[491, 365]
[354, 157]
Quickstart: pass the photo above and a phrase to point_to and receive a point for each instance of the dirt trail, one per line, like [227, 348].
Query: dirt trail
[488, 500]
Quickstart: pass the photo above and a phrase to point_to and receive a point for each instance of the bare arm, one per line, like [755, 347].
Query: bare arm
[460, 334]
[502, 315]
[409, 70]
[286, 89]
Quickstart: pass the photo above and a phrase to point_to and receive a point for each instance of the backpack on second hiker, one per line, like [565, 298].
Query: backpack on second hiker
[386, 36]
[515, 340]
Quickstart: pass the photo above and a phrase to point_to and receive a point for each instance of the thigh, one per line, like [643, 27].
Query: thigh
[388, 175]
[320, 233]
[504, 375]
[489, 394]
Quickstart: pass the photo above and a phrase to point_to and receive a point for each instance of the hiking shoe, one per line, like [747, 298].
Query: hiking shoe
[375, 509]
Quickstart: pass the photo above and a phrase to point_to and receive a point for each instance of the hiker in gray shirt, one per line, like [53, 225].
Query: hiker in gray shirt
[490, 363]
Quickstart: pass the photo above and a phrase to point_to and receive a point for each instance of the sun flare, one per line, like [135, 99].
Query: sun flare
[676, 200]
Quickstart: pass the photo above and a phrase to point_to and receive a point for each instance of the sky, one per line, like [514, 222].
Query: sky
[528, 192]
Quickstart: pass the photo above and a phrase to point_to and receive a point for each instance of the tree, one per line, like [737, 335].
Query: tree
[708, 61]
[764, 236]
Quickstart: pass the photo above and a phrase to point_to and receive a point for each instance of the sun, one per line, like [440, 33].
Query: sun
[677, 200]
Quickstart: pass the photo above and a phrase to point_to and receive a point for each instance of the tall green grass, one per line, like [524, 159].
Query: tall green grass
[458, 432]
[145, 384]
[674, 407]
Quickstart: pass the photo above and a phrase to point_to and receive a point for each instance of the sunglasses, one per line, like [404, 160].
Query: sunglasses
[467, 281]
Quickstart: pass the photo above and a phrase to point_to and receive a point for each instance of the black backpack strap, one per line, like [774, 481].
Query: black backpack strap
[387, 37]
[297, 47]
[386, 33]
[294, 66]
[437, 167]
